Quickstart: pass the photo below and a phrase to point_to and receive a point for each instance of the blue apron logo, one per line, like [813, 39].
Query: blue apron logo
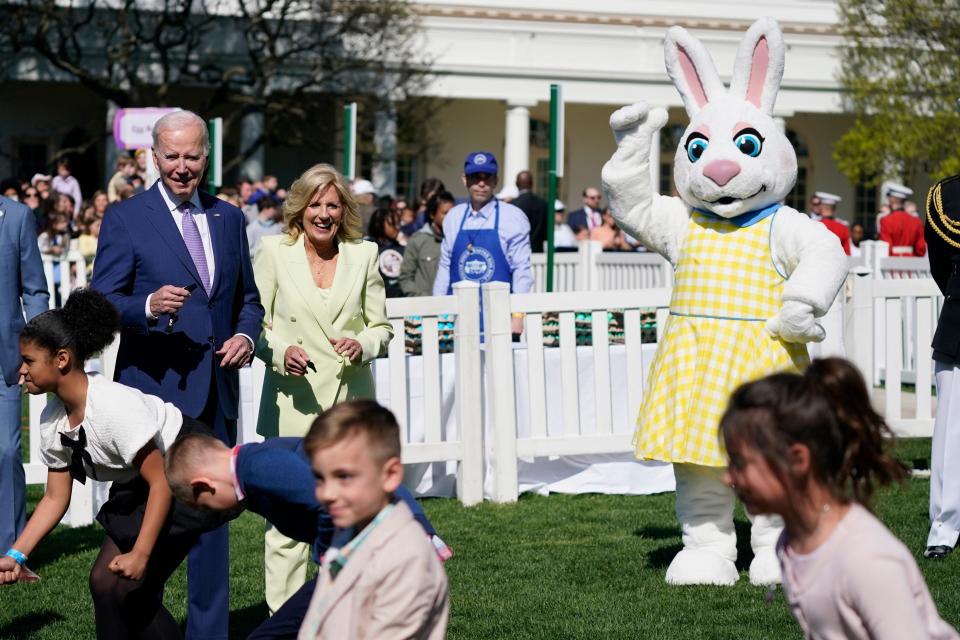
[477, 265]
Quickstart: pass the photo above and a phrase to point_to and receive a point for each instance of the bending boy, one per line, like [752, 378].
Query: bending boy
[272, 479]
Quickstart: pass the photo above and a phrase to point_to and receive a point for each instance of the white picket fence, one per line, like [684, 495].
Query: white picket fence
[72, 272]
[893, 303]
[506, 444]
[427, 440]
[590, 268]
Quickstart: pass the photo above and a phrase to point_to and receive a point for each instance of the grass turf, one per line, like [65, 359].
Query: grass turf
[547, 567]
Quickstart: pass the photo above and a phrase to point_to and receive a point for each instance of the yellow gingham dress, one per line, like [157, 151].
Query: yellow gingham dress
[726, 287]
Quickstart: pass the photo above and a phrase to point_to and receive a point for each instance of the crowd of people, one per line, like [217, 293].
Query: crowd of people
[407, 235]
[197, 286]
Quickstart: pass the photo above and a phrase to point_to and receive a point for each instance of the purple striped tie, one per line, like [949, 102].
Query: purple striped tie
[191, 237]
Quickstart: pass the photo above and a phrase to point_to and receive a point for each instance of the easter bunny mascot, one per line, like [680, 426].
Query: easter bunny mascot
[751, 278]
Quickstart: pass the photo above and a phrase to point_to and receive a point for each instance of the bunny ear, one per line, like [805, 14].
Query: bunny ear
[691, 69]
[759, 66]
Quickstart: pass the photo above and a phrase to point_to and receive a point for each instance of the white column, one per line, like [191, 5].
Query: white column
[384, 171]
[251, 138]
[516, 148]
[655, 162]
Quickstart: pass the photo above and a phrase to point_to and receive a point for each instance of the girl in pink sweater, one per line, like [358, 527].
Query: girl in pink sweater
[811, 449]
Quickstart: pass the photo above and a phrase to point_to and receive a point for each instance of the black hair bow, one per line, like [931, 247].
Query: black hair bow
[79, 455]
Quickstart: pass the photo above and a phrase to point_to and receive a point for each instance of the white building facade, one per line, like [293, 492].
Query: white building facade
[494, 61]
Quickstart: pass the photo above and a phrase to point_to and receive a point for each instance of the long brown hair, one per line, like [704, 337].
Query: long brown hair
[828, 410]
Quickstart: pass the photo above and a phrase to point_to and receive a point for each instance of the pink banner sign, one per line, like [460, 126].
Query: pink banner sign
[133, 128]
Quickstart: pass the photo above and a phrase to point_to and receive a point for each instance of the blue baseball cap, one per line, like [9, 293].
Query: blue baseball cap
[480, 162]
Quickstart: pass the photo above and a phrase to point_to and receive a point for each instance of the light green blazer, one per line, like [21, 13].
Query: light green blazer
[298, 314]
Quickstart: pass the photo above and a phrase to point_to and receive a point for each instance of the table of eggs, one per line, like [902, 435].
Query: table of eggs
[413, 330]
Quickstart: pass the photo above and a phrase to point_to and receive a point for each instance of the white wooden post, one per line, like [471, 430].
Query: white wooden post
[588, 272]
[666, 279]
[858, 324]
[48, 275]
[65, 285]
[469, 402]
[77, 259]
[832, 323]
[251, 388]
[501, 402]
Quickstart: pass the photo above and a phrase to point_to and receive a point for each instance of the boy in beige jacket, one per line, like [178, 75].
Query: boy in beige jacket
[380, 578]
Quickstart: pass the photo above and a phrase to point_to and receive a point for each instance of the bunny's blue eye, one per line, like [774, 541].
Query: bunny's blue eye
[696, 145]
[749, 142]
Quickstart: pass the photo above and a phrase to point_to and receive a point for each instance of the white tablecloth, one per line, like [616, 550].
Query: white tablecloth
[613, 474]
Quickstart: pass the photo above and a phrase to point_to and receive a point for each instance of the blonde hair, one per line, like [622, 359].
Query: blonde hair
[317, 179]
[352, 418]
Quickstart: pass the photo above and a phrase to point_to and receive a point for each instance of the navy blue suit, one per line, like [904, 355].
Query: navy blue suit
[577, 220]
[141, 249]
[278, 484]
[21, 279]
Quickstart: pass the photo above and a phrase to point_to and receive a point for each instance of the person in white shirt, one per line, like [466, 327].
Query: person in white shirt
[93, 427]
[563, 235]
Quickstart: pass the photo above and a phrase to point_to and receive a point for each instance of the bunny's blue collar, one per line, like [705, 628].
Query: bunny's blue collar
[745, 219]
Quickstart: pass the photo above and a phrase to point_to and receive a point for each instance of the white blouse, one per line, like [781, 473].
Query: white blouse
[118, 422]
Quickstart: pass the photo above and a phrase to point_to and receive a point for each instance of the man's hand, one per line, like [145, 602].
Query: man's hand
[235, 353]
[295, 361]
[348, 348]
[130, 565]
[9, 570]
[167, 299]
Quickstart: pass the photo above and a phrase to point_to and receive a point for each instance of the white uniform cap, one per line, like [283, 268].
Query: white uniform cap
[828, 198]
[558, 205]
[898, 190]
[362, 187]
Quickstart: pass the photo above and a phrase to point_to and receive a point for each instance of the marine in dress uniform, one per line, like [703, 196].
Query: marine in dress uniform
[943, 236]
[902, 231]
[839, 228]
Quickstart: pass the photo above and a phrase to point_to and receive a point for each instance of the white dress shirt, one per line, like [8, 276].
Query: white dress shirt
[202, 226]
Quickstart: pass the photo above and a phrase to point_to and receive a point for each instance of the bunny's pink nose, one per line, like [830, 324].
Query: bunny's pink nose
[721, 171]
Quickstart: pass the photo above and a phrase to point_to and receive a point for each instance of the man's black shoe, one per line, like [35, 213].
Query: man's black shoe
[937, 552]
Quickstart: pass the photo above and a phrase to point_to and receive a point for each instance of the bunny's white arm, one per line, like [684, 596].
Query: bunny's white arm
[659, 222]
[811, 258]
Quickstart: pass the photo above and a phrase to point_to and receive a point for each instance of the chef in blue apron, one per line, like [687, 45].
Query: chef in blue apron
[484, 239]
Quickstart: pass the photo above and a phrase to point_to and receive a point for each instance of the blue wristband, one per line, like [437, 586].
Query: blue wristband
[16, 555]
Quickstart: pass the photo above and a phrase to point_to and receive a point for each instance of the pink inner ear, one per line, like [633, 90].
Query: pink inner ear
[758, 72]
[692, 77]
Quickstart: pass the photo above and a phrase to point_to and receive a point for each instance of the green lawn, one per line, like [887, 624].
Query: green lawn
[557, 567]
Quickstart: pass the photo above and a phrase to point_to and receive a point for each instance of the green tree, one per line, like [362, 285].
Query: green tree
[900, 68]
[294, 61]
